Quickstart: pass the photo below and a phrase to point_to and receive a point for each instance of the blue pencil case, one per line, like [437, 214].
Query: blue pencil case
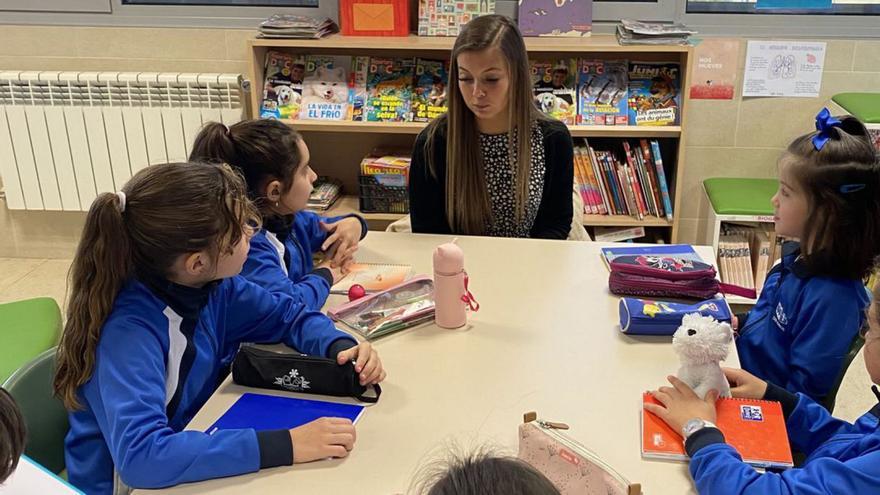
[647, 317]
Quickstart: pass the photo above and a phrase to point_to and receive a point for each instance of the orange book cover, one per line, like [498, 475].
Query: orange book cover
[755, 428]
[374, 277]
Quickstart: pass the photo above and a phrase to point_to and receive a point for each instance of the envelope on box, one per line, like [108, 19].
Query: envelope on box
[373, 16]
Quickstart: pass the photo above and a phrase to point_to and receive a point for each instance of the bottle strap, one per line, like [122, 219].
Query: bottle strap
[467, 297]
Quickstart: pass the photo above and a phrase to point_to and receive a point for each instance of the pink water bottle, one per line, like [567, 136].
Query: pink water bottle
[451, 295]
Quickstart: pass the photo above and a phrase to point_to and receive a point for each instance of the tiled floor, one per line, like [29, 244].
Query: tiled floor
[22, 278]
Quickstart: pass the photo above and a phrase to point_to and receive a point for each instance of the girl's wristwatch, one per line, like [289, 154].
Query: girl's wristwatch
[694, 425]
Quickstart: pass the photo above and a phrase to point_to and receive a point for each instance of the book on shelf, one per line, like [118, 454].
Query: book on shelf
[555, 18]
[429, 95]
[626, 181]
[654, 93]
[289, 26]
[755, 428]
[746, 253]
[390, 89]
[324, 194]
[632, 32]
[618, 234]
[603, 86]
[554, 85]
[325, 88]
[283, 85]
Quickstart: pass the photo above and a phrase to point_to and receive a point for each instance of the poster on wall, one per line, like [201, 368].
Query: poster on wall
[784, 68]
[715, 67]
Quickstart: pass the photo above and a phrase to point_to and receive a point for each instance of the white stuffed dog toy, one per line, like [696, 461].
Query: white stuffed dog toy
[701, 342]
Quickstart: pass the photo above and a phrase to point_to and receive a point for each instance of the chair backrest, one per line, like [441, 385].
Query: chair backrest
[854, 349]
[27, 328]
[44, 415]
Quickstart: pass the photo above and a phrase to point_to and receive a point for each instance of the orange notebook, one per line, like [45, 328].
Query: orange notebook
[755, 428]
[374, 277]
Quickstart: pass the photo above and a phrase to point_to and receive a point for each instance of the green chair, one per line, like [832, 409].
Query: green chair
[27, 328]
[44, 415]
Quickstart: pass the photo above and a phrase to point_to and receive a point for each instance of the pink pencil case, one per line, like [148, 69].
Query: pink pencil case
[658, 276]
[402, 306]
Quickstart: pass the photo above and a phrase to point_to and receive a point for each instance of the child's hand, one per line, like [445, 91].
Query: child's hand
[322, 438]
[745, 385]
[734, 323]
[338, 272]
[681, 404]
[346, 234]
[367, 364]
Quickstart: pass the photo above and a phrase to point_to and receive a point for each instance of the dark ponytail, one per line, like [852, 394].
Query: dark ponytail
[165, 211]
[262, 150]
[842, 181]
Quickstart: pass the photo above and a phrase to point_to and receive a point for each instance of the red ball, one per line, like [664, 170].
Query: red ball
[356, 291]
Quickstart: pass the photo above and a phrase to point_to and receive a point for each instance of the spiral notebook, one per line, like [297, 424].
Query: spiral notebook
[374, 277]
[755, 428]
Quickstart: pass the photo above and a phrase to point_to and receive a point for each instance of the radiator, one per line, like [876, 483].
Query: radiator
[67, 136]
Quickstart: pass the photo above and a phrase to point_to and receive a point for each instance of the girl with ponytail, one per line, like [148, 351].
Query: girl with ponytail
[154, 306]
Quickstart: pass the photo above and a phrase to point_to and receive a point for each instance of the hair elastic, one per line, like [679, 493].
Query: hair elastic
[121, 196]
[851, 188]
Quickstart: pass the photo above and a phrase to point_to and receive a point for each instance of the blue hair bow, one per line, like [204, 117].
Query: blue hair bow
[824, 123]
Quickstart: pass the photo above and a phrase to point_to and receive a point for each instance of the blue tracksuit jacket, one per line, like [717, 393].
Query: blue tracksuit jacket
[158, 361]
[801, 327]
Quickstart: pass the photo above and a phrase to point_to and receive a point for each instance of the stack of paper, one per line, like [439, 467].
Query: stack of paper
[632, 32]
[297, 26]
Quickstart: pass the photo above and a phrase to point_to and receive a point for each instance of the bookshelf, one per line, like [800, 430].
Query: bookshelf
[337, 147]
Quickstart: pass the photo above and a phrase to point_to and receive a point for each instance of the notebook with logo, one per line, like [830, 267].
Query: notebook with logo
[755, 428]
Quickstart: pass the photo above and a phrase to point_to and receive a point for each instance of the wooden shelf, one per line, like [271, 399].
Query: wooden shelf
[347, 205]
[596, 43]
[416, 127]
[624, 221]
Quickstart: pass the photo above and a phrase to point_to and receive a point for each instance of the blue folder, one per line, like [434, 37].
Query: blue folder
[268, 412]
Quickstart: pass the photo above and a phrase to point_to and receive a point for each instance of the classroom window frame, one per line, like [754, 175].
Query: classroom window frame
[605, 15]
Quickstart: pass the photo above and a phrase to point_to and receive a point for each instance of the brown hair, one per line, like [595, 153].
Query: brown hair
[170, 210]
[467, 197]
[262, 150]
[842, 181]
[484, 473]
[12, 435]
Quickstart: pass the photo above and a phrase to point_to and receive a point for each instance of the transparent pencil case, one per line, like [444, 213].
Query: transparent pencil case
[402, 306]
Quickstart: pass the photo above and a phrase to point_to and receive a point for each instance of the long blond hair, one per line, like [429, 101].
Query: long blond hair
[167, 210]
[467, 198]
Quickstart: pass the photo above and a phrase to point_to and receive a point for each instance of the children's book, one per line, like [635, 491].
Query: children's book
[554, 86]
[283, 86]
[269, 412]
[390, 89]
[325, 88]
[755, 428]
[661, 178]
[569, 18]
[429, 100]
[679, 251]
[374, 277]
[654, 93]
[602, 92]
[357, 87]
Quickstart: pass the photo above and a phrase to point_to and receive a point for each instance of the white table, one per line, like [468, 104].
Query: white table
[546, 339]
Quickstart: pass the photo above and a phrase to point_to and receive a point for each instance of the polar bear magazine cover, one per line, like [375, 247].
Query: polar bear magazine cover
[554, 84]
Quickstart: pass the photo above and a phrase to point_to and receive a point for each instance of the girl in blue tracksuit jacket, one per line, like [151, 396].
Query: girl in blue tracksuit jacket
[841, 457]
[155, 303]
[813, 301]
[274, 160]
